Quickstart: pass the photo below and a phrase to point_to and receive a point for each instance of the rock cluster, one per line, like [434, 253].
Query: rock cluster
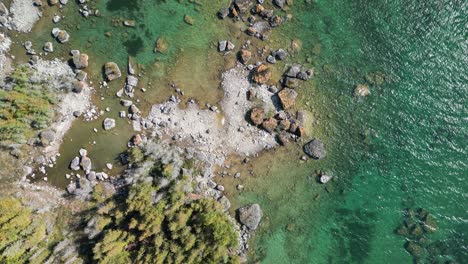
[251, 11]
[416, 227]
[61, 35]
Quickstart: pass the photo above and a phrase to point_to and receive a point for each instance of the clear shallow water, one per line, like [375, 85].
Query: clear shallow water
[403, 146]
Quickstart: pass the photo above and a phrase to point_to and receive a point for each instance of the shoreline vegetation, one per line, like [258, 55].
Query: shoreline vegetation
[166, 206]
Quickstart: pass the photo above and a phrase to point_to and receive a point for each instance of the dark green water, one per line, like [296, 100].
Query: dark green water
[402, 146]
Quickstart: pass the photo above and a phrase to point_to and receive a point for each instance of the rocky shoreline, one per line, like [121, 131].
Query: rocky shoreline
[256, 113]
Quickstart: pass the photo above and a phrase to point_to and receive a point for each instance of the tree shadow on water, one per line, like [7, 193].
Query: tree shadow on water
[134, 46]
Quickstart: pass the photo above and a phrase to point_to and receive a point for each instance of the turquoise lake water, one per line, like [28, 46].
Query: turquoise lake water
[403, 146]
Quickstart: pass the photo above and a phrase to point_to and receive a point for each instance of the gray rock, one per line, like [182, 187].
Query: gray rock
[86, 163]
[47, 137]
[223, 12]
[91, 176]
[279, 3]
[75, 164]
[280, 54]
[71, 188]
[3, 10]
[243, 5]
[112, 71]
[222, 45]
[48, 47]
[56, 19]
[250, 216]
[61, 35]
[324, 178]
[230, 46]
[108, 123]
[126, 103]
[78, 86]
[224, 201]
[81, 75]
[271, 59]
[315, 149]
[303, 76]
[28, 45]
[293, 71]
[74, 52]
[132, 80]
[83, 152]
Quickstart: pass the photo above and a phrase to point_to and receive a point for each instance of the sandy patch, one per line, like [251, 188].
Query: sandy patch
[213, 135]
[59, 75]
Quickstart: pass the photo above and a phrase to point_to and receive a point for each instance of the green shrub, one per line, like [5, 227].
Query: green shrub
[25, 109]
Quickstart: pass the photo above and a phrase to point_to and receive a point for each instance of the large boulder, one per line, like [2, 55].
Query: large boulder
[86, 163]
[287, 98]
[108, 123]
[80, 61]
[293, 71]
[270, 124]
[250, 216]
[261, 74]
[75, 164]
[112, 71]
[78, 86]
[315, 149]
[61, 35]
[47, 137]
[3, 10]
[257, 115]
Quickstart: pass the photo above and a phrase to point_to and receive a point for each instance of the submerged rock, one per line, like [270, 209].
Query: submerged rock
[250, 216]
[112, 71]
[161, 45]
[362, 90]
[315, 149]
